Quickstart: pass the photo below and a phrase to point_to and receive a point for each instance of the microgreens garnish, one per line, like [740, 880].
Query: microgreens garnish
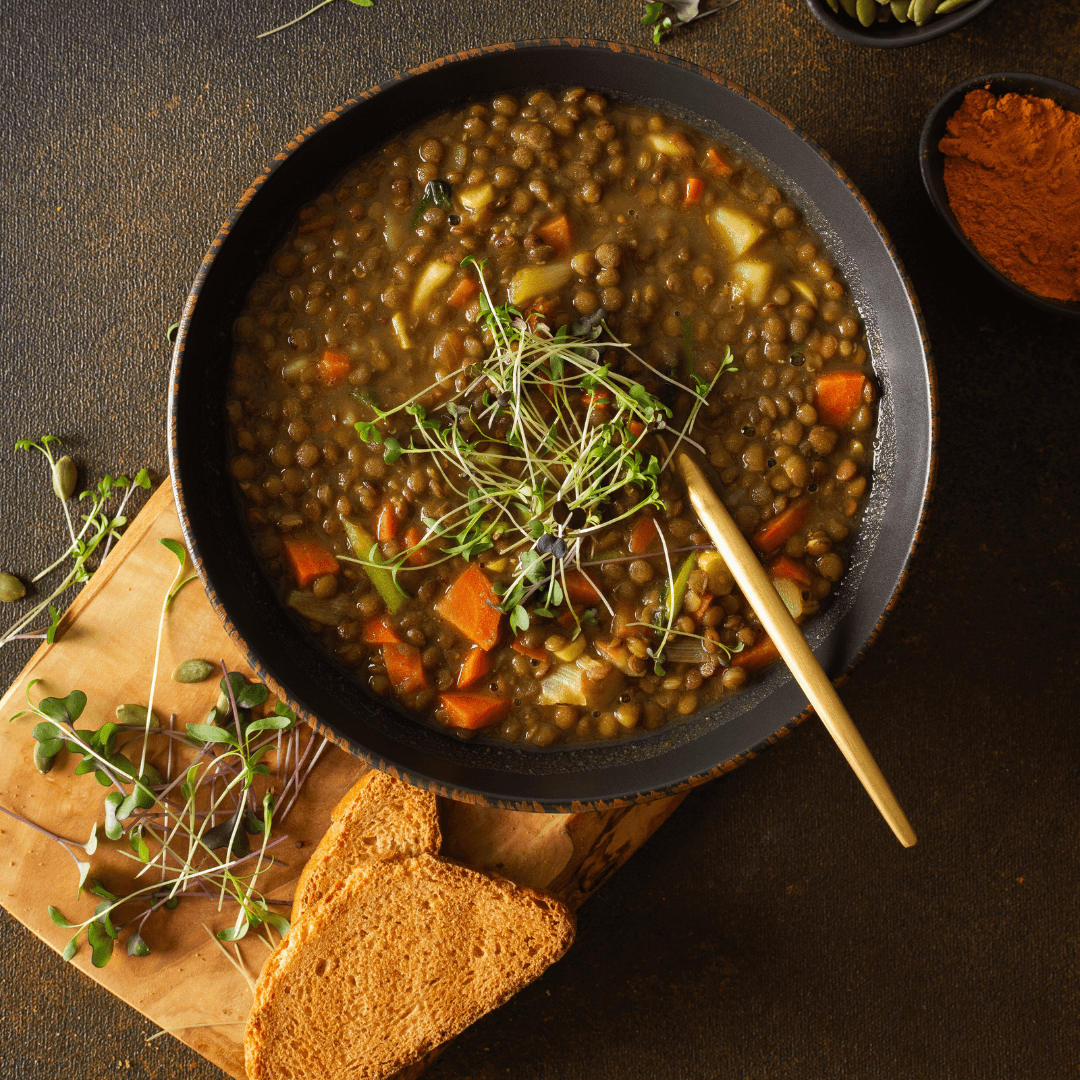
[682, 12]
[310, 11]
[202, 823]
[536, 447]
[436, 193]
[101, 522]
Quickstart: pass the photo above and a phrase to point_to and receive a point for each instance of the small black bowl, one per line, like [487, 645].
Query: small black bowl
[561, 778]
[893, 34]
[932, 162]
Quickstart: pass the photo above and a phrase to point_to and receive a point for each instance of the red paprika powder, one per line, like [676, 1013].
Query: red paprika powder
[1012, 172]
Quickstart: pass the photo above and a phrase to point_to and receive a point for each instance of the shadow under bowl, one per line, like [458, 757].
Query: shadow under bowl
[893, 34]
[565, 777]
[932, 163]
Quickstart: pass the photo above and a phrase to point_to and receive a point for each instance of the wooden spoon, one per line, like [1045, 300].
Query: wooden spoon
[789, 641]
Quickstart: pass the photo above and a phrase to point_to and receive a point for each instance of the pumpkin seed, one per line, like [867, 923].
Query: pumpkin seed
[949, 5]
[42, 762]
[866, 11]
[192, 671]
[64, 475]
[834, 5]
[899, 9]
[849, 7]
[11, 588]
[921, 10]
[135, 714]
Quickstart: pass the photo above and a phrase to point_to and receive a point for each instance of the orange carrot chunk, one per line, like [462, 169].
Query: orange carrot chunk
[643, 535]
[388, 521]
[471, 605]
[695, 188]
[557, 233]
[783, 567]
[417, 556]
[715, 163]
[381, 631]
[309, 560]
[579, 589]
[403, 668]
[533, 652]
[837, 395]
[472, 711]
[760, 655]
[474, 667]
[333, 367]
[782, 527]
[464, 293]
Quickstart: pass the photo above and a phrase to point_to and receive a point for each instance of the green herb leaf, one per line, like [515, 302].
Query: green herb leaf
[71, 948]
[58, 918]
[136, 946]
[101, 943]
[208, 733]
[176, 548]
[113, 829]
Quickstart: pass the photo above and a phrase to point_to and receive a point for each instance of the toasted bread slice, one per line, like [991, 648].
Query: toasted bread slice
[378, 817]
[396, 959]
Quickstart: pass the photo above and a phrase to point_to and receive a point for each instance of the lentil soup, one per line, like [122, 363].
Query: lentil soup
[446, 397]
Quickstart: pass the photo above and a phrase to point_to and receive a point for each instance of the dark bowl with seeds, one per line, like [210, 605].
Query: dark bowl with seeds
[316, 302]
[885, 30]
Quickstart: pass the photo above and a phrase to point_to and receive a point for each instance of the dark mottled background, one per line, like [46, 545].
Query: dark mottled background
[773, 929]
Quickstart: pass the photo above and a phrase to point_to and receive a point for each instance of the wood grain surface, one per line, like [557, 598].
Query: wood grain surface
[106, 649]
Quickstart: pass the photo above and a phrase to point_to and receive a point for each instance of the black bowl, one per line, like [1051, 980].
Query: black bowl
[893, 34]
[932, 162]
[684, 752]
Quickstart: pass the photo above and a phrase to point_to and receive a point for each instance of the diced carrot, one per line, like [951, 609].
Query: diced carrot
[472, 711]
[695, 188]
[381, 631]
[404, 669]
[715, 163]
[706, 600]
[472, 606]
[557, 233]
[533, 652]
[418, 556]
[326, 221]
[579, 589]
[636, 427]
[837, 395]
[757, 656]
[466, 290]
[783, 567]
[643, 535]
[598, 400]
[388, 522]
[782, 527]
[474, 667]
[333, 367]
[308, 559]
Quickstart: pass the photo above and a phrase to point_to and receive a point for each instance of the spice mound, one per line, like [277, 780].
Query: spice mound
[1012, 171]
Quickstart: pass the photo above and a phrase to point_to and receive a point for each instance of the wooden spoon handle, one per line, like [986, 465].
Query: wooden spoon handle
[789, 641]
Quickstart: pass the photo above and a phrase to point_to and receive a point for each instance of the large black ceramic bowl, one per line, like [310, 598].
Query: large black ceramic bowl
[893, 34]
[932, 162]
[684, 752]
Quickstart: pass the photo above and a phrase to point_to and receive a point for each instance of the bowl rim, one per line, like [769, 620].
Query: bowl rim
[932, 164]
[636, 793]
[898, 36]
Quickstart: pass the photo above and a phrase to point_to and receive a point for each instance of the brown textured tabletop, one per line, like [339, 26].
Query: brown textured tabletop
[774, 928]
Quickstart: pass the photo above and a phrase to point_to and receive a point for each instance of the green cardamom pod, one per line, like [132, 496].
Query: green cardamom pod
[11, 588]
[64, 475]
[192, 671]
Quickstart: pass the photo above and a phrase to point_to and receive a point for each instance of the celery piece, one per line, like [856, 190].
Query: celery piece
[366, 547]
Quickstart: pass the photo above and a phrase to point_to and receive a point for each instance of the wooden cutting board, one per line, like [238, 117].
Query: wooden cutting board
[106, 648]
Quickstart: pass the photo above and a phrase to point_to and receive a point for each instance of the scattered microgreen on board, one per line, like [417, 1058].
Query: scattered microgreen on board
[191, 807]
[102, 517]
